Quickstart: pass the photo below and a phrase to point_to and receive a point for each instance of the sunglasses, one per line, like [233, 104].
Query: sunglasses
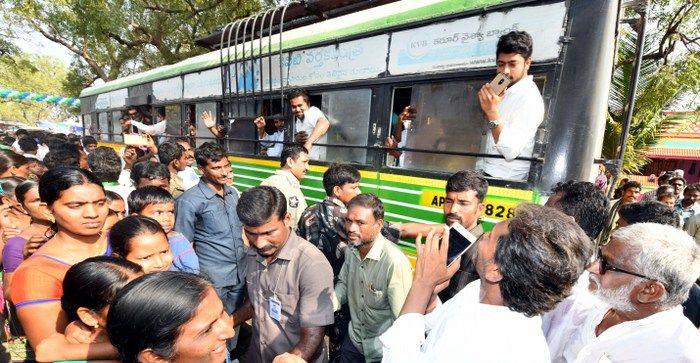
[605, 266]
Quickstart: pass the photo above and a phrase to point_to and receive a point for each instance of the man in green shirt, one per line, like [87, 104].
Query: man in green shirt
[374, 280]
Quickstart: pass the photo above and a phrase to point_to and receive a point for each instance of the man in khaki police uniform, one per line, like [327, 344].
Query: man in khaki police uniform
[295, 164]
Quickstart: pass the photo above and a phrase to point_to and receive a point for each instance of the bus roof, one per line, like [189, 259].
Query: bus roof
[381, 17]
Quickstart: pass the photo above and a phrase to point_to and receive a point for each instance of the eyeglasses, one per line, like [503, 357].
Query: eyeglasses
[606, 266]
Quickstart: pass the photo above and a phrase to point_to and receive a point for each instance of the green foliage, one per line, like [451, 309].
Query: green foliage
[114, 38]
[33, 74]
[668, 72]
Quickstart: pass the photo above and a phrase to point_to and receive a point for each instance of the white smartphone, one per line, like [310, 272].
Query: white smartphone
[461, 241]
[135, 140]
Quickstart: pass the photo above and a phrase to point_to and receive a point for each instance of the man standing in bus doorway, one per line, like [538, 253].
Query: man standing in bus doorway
[514, 115]
[310, 124]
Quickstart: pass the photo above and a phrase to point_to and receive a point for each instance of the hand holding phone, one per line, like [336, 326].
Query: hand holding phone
[135, 140]
[500, 83]
[460, 241]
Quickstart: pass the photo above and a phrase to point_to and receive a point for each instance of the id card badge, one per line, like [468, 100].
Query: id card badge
[275, 308]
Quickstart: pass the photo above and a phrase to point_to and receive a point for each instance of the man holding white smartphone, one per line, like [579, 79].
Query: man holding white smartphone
[514, 114]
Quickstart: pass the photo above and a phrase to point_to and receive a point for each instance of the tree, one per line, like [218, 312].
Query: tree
[32, 73]
[670, 69]
[113, 38]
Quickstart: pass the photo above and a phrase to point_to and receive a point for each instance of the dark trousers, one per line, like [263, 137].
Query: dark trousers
[337, 333]
[349, 353]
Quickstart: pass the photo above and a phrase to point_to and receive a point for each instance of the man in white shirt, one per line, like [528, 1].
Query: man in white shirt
[189, 176]
[310, 124]
[514, 115]
[275, 137]
[526, 266]
[295, 164]
[642, 276]
[136, 119]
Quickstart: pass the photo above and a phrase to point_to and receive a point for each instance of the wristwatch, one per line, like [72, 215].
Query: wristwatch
[493, 124]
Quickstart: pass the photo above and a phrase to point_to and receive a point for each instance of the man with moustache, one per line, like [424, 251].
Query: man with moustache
[310, 124]
[642, 276]
[526, 265]
[374, 280]
[630, 193]
[289, 283]
[294, 162]
[464, 202]
[206, 215]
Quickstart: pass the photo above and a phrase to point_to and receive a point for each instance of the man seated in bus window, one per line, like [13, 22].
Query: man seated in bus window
[272, 133]
[310, 124]
[399, 135]
[134, 117]
[514, 115]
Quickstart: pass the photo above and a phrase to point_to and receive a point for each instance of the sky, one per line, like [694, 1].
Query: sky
[34, 42]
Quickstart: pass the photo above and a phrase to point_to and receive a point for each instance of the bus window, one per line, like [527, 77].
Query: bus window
[116, 127]
[103, 126]
[348, 112]
[242, 129]
[173, 117]
[448, 118]
[202, 131]
[87, 124]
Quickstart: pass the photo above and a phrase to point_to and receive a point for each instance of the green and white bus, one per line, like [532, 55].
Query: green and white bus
[363, 67]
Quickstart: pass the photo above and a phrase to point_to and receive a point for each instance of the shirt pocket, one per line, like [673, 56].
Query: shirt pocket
[289, 304]
[213, 222]
[376, 299]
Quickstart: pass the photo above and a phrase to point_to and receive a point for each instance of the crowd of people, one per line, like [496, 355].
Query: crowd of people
[150, 254]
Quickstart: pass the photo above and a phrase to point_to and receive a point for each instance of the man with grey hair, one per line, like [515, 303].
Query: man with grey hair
[642, 276]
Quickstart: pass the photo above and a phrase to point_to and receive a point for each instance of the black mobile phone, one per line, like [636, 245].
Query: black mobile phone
[460, 242]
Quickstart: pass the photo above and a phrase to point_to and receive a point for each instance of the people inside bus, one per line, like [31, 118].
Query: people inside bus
[515, 263]
[135, 117]
[157, 203]
[169, 317]
[374, 280]
[641, 276]
[89, 288]
[290, 282]
[173, 156]
[399, 135]
[310, 124]
[206, 216]
[272, 133]
[294, 166]
[76, 199]
[210, 122]
[513, 116]
[189, 176]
